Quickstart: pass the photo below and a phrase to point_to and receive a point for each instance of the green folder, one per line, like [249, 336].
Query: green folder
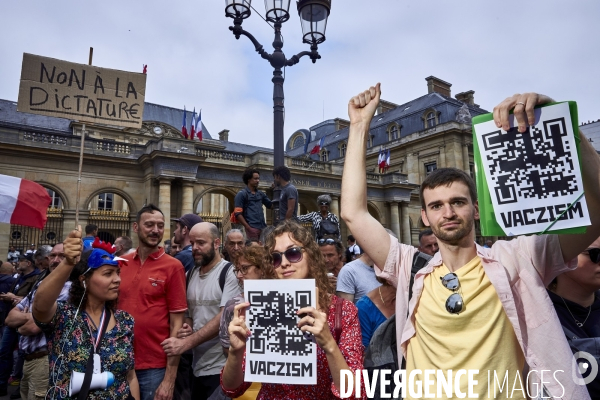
[489, 224]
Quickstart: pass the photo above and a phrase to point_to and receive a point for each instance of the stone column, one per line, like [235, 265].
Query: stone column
[406, 235]
[412, 167]
[442, 157]
[335, 206]
[164, 203]
[206, 204]
[187, 200]
[5, 239]
[395, 219]
[465, 151]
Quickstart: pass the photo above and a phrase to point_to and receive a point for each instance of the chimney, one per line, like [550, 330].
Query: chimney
[466, 97]
[438, 86]
[224, 135]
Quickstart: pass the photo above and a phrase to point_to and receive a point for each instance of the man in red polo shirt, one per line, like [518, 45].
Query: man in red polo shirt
[153, 292]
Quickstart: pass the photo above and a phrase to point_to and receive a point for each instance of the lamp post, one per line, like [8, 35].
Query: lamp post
[313, 17]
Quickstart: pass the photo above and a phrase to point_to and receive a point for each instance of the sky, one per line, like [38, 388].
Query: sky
[494, 48]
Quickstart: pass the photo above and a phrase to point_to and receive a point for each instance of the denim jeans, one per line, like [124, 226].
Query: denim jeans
[8, 343]
[149, 380]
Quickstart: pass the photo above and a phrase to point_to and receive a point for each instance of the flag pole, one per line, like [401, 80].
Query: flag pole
[81, 159]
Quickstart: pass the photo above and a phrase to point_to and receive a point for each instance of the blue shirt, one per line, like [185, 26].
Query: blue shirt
[186, 258]
[370, 318]
[252, 206]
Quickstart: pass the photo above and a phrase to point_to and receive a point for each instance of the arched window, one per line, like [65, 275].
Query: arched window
[342, 148]
[105, 201]
[324, 156]
[370, 141]
[393, 132]
[298, 141]
[55, 200]
[431, 120]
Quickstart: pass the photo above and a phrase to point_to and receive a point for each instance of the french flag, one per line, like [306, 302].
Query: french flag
[23, 202]
[387, 160]
[193, 127]
[199, 125]
[184, 125]
[317, 148]
[381, 160]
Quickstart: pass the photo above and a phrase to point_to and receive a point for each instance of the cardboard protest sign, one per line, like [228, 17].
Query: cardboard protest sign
[530, 182]
[278, 351]
[81, 92]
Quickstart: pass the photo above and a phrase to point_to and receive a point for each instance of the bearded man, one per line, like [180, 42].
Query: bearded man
[211, 285]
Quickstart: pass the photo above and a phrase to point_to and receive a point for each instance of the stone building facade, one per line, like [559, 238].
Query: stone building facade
[124, 169]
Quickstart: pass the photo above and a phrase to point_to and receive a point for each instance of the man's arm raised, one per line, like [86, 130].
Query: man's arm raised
[369, 232]
[523, 106]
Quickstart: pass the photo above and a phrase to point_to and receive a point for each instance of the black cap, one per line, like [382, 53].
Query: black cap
[188, 220]
[26, 257]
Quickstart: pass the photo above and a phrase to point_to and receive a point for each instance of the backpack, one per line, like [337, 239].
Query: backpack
[382, 352]
[328, 227]
[222, 276]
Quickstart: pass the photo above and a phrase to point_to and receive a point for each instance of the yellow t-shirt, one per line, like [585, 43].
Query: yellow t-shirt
[479, 338]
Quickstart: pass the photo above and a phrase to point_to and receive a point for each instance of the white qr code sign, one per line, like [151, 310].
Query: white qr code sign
[278, 351]
[533, 177]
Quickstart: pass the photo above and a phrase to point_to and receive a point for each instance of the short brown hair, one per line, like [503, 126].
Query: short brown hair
[446, 177]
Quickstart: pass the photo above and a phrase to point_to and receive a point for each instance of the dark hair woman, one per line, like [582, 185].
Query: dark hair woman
[87, 325]
[294, 254]
[576, 298]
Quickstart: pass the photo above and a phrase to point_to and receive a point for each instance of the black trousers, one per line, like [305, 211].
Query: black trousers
[204, 386]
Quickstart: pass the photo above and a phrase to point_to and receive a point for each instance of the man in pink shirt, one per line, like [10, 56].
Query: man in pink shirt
[473, 308]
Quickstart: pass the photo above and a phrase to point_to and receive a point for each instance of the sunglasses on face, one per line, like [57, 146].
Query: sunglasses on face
[323, 203]
[323, 242]
[243, 269]
[293, 255]
[594, 255]
[454, 303]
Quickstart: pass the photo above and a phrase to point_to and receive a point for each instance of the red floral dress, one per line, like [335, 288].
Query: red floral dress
[350, 345]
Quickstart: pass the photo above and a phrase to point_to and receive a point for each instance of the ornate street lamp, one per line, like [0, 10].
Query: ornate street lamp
[313, 17]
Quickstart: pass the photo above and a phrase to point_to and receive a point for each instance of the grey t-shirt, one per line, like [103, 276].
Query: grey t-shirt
[205, 300]
[357, 278]
[288, 192]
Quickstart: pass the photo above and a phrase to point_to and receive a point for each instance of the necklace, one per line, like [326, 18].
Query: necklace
[380, 296]
[579, 324]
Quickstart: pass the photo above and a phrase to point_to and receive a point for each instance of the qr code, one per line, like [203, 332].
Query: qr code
[273, 316]
[536, 164]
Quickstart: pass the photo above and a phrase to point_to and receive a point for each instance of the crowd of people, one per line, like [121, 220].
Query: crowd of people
[101, 321]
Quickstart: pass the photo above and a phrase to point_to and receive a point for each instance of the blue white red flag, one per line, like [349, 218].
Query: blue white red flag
[317, 148]
[184, 125]
[193, 127]
[387, 160]
[199, 125]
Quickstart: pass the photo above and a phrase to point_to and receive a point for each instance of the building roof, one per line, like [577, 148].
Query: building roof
[152, 112]
[402, 112]
[10, 116]
[591, 130]
[170, 116]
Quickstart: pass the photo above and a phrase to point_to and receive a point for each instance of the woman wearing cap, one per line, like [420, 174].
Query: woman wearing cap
[86, 334]
[324, 201]
[295, 255]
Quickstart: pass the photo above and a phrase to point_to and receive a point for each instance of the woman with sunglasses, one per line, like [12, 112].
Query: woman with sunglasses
[295, 255]
[87, 334]
[576, 298]
[317, 217]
